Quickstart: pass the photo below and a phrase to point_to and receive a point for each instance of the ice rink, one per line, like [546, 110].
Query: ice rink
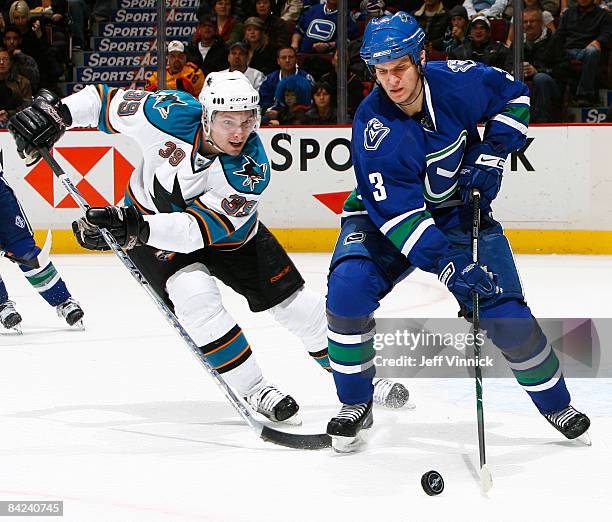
[121, 423]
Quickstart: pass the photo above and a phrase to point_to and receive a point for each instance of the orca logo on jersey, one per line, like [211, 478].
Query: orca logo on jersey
[374, 133]
[164, 102]
[253, 172]
[460, 65]
[19, 221]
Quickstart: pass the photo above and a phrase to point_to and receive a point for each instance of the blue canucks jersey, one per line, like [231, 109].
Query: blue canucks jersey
[407, 167]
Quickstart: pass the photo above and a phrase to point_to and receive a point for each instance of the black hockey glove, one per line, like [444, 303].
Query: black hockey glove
[125, 224]
[462, 277]
[39, 126]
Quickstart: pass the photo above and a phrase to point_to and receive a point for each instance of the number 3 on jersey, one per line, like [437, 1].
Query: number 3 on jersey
[380, 192]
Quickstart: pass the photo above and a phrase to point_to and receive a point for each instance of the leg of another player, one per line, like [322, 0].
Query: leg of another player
[355, 287]
[197, 304]
[303, 314]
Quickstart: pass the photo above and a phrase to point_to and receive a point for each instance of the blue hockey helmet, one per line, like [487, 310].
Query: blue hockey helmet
[391, 37]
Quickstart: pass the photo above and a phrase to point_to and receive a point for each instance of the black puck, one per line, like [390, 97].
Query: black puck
[432, 483]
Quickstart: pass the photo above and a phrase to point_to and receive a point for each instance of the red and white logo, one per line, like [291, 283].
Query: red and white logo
[100, 174]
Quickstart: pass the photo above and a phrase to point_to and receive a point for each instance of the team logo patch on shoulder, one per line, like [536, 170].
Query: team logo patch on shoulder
[374, 133]
[253, 172]
[20, 222]
[164, 102]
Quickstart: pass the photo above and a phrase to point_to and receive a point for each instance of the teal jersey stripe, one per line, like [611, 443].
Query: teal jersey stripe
[519, 113]
[543, 372]
[402, 231]
[213, 229]
[106, 95]
[353, 203]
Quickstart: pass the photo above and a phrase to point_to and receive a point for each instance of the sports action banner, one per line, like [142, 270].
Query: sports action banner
[561, 180]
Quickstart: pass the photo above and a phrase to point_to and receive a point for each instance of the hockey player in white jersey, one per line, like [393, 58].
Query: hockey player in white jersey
[191, 217]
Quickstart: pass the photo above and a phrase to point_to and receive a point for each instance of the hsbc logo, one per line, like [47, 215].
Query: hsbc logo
[100, 174]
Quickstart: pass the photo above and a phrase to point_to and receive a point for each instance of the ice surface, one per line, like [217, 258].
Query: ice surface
[122, 423]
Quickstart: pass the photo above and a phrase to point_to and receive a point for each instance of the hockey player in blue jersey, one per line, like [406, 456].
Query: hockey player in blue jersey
[417, 156]
[16, 237]
[191, 218]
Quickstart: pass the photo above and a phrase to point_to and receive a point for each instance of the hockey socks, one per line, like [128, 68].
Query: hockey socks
[47, 283]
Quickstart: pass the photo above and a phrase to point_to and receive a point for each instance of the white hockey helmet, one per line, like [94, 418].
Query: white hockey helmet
[228, 91]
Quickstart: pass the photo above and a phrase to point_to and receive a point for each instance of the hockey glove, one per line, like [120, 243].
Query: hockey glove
[482, 169]
[39, 126]
[463, 277]
[125, 224]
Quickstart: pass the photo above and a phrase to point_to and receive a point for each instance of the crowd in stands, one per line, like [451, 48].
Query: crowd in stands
[288, 48]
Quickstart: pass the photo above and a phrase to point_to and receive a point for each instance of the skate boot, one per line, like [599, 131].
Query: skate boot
[390, 394]
[274, 404]
[71, 311]
[345, 427]
[570, 422]
[9, 317]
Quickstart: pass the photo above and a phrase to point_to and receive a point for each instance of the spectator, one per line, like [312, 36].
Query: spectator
[15, 90]
[545, 66]
[316, 29]
[288, 10]
[228, 26]
[238, 61]
[372, 9]
[293, 95]
[583, 31]
[180, 74]
[34, 43]
[262, 54]
[102, 10]
[369, 9]
[22, 63]
[323, 110]
[457, 34]
[79, 13]
[209, 51]
[488, 8]
[434, 20]
[274, 26]
[547, 17]
[480, 47]
[354, 87]
[287, 61]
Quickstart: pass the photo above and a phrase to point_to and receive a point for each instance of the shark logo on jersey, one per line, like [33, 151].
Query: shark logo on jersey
[460, 65]
[20, 222]
[164, 102]
[320, 29]
[253, 172]
[166, 201]
[374, 133]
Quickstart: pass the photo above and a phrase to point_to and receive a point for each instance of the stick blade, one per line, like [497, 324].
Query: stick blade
[486, 480]
[296, 440]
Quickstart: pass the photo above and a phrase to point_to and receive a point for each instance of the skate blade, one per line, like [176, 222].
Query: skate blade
[347, 444]
[486, 480]
[585, 438]
[79, 325]
[294, 420]
[15, 329]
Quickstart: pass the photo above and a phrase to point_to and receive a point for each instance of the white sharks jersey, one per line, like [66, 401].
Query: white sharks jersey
[190, 201]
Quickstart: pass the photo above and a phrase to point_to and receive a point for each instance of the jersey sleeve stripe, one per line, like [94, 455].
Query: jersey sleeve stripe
[403, 232]
[524, 100]
[415, 236]
[131, 200]
[223, 220]
[510, 122]
[106, 95]
[204, 230]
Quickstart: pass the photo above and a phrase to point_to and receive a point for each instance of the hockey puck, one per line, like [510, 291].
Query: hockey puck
[432, 483]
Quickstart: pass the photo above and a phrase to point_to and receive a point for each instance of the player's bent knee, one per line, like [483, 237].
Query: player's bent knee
[25, 248]
[194, 293]
[354, 288]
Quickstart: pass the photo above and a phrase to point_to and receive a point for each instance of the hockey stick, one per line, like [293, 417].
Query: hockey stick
[486, 480]
[290, 440]
[40, 260]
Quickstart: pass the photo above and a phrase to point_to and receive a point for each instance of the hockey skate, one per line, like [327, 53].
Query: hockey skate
[71, 311]
[390, 394]
[345, 428]
[274, 404]
[9, 317]
[571, 423]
